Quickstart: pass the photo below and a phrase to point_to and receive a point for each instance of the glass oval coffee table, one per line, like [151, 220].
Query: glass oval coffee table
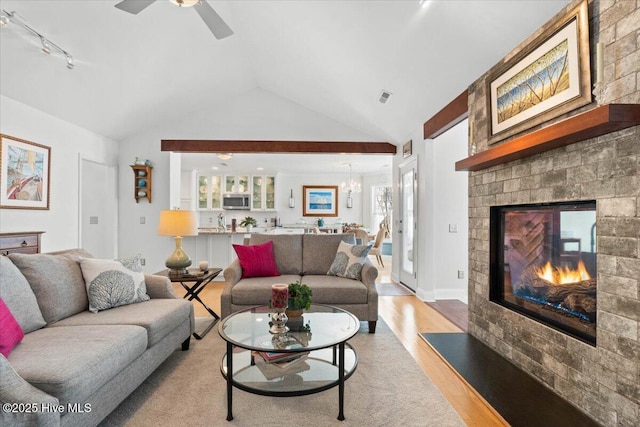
[320, 357]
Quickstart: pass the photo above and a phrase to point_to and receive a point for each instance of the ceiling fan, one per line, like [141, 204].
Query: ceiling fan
[216, 24]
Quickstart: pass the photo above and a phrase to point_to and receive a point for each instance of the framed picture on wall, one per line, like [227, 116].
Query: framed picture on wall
[549, 77]
[320, 200]
[24, 174]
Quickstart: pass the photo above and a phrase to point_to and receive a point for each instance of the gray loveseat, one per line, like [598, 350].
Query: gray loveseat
[73, 367]
[304, 257]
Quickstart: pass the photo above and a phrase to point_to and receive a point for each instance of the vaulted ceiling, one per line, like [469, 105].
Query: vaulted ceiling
[332, 57]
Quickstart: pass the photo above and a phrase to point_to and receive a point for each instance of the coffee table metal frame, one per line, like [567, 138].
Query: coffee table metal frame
[338, 347]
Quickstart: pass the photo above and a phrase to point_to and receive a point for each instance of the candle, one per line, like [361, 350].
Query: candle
[279, 295]
[599, 62]
[204, 265]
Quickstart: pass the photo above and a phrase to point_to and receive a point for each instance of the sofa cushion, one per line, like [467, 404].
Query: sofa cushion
[257, 260]
[10, 331]
[257, 290]
[19, 297]
[111, 284]
[319, 251]
[99, 353]
[336, 290]
[287, 249]
[56, 281]
[349, 261]
[158, 316]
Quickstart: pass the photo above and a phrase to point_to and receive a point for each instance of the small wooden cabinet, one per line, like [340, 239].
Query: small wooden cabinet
[25, 242]
[142, 182]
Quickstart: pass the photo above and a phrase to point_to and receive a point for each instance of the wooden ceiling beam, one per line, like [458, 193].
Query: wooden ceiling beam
[455, 112]
[308, 147]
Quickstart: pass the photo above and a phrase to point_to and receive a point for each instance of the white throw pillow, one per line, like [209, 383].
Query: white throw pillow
[112, 283]
[349, 260]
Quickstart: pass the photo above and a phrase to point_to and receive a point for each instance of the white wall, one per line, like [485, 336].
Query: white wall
[442, 200]
[68, 142]
[450, 207]
[255, 115]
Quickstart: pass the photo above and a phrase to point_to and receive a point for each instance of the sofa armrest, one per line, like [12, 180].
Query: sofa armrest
[369, 274]
[159, 287]
[232, 275]
[14, 389]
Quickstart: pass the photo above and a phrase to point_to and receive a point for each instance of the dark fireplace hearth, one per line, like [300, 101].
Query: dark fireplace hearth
[543, 264]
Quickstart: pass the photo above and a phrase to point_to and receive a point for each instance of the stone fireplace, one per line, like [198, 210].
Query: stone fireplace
[601, 376]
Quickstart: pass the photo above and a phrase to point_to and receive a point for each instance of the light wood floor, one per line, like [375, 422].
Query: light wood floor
[407, 316]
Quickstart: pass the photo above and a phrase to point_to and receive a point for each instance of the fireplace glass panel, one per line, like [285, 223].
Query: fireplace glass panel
[543, 264]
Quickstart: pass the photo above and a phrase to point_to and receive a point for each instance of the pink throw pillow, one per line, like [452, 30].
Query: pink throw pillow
[10, 331]
[257, 260]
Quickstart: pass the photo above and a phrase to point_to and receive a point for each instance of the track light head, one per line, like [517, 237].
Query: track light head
[4, 20]
[46, 47]
[70, 63]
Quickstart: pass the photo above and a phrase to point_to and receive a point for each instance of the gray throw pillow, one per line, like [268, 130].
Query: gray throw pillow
[112, 283]
[19, 298]
[349, 261]
[56, 281]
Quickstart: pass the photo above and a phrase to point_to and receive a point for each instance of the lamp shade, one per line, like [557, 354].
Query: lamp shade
[178, 223]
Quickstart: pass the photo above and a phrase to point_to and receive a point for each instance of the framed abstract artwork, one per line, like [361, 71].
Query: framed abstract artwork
[320, 200]
[547, 78]
[24, 174]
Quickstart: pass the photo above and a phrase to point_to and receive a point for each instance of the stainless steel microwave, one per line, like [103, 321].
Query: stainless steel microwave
[236, 201]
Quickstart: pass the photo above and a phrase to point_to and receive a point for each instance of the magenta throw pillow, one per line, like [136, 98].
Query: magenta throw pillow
[10, 331]
[257, 260]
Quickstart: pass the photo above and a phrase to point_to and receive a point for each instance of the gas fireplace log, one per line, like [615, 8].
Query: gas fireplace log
[580, 302]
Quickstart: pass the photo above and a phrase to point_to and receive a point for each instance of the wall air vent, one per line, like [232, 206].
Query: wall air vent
[384, 96]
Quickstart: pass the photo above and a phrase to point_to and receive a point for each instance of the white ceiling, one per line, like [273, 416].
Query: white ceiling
[332, 57]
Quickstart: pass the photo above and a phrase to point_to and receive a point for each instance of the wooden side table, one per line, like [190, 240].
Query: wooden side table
[194, 282]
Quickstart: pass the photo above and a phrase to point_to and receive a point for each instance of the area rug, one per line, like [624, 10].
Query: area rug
[390, 289]
[387, 389]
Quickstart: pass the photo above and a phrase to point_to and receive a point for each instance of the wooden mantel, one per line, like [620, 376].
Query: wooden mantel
[590, 124]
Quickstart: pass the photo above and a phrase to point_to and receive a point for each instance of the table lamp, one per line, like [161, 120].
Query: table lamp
[178, 223]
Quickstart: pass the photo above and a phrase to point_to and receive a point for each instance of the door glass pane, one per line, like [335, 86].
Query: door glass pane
[271, 192]
[216, 194]
[407, 222]
[203, 189]
[228, 184]
[242, 183]
[257, 192]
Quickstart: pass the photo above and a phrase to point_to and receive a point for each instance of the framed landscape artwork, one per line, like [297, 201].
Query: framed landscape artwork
[320, 200]
[549, 77]
[24, 174]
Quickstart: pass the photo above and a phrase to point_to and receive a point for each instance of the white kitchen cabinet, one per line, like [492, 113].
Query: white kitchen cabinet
[209, 192]
[263, 193]
[236, 184]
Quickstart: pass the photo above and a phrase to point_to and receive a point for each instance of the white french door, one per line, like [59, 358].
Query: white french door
[408, 224]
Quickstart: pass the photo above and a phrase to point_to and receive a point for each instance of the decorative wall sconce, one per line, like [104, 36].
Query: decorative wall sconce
[292, 201]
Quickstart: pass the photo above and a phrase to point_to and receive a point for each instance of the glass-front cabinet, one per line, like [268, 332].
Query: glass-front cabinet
[263, 191]
[209, 192]
[236, 184]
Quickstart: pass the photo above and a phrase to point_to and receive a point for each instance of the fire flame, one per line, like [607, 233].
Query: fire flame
[561, 276]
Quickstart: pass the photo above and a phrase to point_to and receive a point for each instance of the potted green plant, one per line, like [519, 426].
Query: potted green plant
[248, 223]
[299, 299]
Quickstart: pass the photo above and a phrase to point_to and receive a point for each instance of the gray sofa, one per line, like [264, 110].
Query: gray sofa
[85, 363]
[304, 257]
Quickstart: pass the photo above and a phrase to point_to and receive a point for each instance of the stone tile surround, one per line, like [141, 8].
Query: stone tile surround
[603, 381]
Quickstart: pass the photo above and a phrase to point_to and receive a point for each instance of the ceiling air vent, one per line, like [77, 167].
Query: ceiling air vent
[384, 96]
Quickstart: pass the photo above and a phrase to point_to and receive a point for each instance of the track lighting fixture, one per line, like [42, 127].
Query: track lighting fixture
[7, 18]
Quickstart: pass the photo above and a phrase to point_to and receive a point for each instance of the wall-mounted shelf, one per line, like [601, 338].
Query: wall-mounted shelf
[141, 182]
[590, 124]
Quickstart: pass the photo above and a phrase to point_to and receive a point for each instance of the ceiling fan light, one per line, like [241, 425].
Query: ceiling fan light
[185, 3]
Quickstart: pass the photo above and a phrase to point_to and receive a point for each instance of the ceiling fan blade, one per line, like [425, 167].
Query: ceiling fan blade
[216, 24]
[134, 6]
